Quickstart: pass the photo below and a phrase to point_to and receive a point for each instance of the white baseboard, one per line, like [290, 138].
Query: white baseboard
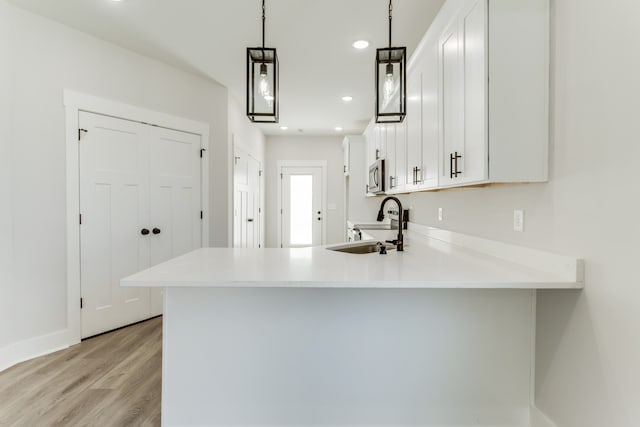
[15, 353]
[538, 419]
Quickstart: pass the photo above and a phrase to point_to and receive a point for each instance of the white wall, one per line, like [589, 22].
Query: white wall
[588, 343]
[306, 148]
[5, 178]
[46, 58]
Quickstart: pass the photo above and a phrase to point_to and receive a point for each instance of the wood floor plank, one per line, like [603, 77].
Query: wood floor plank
[110, 380]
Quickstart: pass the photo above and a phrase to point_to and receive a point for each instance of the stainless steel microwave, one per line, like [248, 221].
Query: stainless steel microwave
[376, 177]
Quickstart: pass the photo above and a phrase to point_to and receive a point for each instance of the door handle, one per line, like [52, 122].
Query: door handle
[144, 231]
[249, 219]
[156, 230]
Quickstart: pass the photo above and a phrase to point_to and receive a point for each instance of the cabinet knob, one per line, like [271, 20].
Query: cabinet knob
[144, 231]
[156, 230]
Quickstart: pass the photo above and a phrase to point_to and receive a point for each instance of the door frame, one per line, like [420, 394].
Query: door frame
[74, 103]
[302, 164]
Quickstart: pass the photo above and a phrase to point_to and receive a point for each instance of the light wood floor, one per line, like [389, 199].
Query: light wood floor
[109, 380]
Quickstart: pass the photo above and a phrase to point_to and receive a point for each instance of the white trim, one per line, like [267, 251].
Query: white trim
[301, 164]
[75, 102]
[570, 269]
[15, 353]
[539, 419]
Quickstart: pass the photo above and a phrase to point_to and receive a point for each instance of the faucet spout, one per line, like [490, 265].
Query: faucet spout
[400, 241]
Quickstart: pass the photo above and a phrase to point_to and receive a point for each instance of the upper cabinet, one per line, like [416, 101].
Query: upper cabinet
[463, 84]
[477, 100]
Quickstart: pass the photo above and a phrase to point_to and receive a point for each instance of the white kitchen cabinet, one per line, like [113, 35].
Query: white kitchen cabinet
[413, 121]
[356, 205]
[477, 99]
[421, 151]
[493, 91]
[463, 97]
[345, 157]
[396, 160]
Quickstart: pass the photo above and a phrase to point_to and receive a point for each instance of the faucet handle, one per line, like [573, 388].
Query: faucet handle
[393, 242]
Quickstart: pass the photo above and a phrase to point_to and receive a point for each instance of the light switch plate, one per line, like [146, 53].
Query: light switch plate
[439, 214]
[518, 220]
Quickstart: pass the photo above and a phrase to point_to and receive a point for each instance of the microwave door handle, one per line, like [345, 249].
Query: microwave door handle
[375, 177]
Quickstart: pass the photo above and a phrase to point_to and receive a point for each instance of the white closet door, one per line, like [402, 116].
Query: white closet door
[174, 198]
[114, 206]
[140, 200]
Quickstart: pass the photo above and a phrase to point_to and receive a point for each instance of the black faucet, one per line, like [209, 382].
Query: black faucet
[400, 241]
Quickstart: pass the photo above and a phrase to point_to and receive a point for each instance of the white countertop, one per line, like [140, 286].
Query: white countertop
[425, 263]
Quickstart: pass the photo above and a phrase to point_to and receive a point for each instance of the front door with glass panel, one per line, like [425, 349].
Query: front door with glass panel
[301, 211]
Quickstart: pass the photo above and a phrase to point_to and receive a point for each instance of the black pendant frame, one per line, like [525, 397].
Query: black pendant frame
[257, 57]
[396, 56]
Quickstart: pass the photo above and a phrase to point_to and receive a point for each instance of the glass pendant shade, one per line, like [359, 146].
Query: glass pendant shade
[262, 85]
[391, 85]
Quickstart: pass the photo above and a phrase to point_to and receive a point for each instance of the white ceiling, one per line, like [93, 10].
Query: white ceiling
[318, 65]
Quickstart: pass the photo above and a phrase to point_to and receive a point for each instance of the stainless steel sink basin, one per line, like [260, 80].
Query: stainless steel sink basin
[360, 247]
[372, 226]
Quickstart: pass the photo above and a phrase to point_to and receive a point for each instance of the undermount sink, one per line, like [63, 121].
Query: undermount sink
[361, 247]
[373, 226]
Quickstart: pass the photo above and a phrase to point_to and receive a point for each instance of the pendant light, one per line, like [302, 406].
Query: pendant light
[391, 78]
[262, 81]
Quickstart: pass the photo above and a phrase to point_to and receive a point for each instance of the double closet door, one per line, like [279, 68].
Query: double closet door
[140, 204]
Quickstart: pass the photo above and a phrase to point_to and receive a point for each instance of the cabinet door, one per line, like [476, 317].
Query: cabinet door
[390, 158]
[463, 87]
[400, 157]
[345, 157]
[430, 119]
[413, 119]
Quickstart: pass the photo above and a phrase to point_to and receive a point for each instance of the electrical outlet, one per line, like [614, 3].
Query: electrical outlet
[518, 220]
[439, 214]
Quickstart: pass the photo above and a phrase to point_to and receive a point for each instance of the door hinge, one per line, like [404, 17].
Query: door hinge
[202, 150]
[281, 211]
[259, 173]
[80, 219]
[81, 303]
[201, 215]
[80, 133]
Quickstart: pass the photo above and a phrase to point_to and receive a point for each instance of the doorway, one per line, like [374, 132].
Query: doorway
[140, 205]
[247, 210]
[301, 201]
[144, 177]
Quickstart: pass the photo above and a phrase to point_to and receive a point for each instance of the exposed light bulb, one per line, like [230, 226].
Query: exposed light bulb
[388, 83]
[263, 86]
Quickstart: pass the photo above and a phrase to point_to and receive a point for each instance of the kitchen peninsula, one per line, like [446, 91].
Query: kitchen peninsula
[441, 334]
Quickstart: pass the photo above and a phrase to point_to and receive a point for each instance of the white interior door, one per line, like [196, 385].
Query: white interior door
[174, 198]
[140, 201]
[302, 215]
[246, 201]
[114, 206]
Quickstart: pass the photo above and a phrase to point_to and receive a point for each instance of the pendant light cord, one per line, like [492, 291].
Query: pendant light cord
[390, 19]
[263, 20]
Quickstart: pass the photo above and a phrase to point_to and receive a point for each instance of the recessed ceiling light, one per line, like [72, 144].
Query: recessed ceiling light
[347, 98]
[284, 127]
[361, 44]
[338, 128]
